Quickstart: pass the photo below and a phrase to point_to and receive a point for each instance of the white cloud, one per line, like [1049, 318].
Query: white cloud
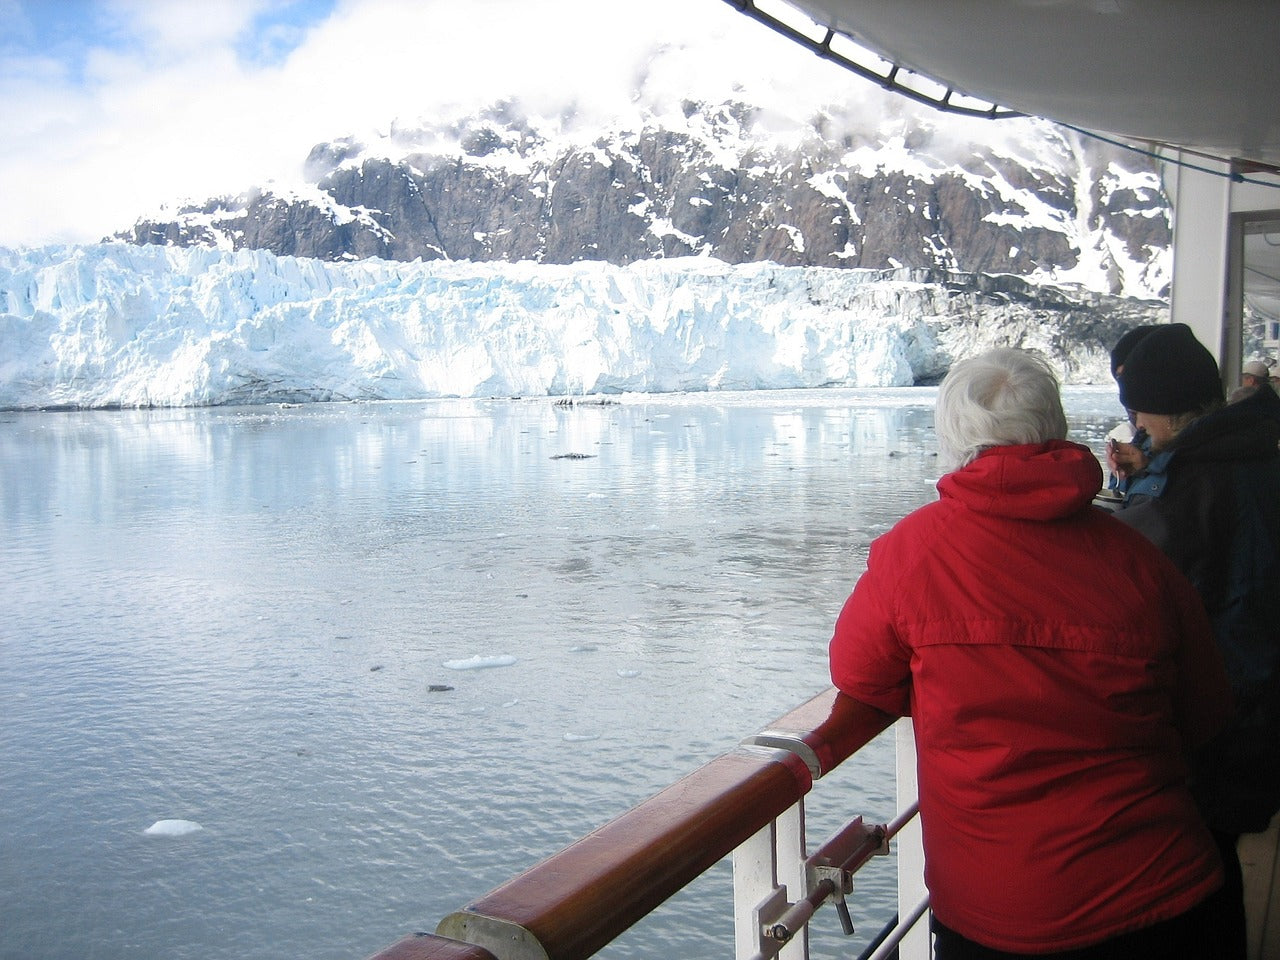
[174, 31]
[167, 108]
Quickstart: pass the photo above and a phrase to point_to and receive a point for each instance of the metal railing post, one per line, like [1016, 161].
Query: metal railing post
[790, 845]
[916, 945]
[768, 875]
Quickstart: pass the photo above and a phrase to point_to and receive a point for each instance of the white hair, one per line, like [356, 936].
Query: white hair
[1000, 398]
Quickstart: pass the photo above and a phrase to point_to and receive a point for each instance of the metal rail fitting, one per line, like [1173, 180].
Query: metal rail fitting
[887, 80]
[829, 875]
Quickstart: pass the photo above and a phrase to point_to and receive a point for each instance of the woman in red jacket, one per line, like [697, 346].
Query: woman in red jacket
[1058, 669]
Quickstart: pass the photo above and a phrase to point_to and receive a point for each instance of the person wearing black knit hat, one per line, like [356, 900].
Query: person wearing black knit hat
[1127, 449]
[1169, 376]
[1120, 352]
[1210, 500]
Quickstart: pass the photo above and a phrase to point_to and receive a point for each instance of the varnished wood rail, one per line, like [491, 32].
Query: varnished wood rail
[577, 901]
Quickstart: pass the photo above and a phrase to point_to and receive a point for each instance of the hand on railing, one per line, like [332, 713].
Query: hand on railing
[825, 731]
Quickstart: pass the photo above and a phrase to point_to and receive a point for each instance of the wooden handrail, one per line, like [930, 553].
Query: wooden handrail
[577, 901]
[825, 731]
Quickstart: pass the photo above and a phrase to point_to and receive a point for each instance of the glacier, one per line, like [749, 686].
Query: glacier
[118, 325]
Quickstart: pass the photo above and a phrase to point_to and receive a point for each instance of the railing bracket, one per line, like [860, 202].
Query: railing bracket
[830, 870]
[770, 914]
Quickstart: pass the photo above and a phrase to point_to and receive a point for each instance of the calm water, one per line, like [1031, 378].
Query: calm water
[235, 617]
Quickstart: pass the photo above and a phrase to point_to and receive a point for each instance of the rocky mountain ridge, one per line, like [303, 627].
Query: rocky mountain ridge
[716, 180]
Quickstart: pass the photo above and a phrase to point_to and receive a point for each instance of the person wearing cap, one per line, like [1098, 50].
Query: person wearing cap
[1053, 695]
[1210, 499]
[1254, 374]
[1255, 381]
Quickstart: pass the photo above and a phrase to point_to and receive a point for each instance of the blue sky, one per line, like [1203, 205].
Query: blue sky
[110, 108]
[71, 33]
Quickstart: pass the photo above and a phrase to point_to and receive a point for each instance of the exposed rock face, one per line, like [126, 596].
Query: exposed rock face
[494, 188]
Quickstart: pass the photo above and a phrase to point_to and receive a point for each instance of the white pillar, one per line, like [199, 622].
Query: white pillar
[1201, 216]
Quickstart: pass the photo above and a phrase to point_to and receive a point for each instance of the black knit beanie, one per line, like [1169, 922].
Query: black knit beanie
[1169, 371]
[1120, 352]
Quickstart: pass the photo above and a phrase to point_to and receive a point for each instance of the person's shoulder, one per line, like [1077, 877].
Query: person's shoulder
[1261, 403]
[1114, 530]
[1125, 533]
[916, 530]
[931, 514]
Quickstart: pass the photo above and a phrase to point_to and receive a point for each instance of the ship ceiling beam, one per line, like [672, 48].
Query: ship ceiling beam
[1195, 74]
[869, 66]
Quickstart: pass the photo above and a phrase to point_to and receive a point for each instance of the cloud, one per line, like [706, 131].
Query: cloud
[159, 105]
[143, 105]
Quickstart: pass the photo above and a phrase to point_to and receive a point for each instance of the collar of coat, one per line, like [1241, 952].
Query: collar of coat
[1034, 481]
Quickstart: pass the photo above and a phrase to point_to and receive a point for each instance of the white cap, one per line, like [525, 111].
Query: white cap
[1256, 368]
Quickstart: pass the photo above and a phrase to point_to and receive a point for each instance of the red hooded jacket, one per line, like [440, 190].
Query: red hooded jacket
[1057, 667]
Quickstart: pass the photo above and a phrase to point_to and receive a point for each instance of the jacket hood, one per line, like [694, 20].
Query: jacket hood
[1037, 481]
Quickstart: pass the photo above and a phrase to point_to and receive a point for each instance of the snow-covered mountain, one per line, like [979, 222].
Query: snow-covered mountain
[696, 246]
[845, 186]
[122, 325]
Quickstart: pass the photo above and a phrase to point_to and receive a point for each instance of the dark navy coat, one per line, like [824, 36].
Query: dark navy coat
[1211, 502]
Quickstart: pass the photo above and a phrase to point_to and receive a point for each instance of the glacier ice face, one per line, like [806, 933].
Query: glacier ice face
[119, 325]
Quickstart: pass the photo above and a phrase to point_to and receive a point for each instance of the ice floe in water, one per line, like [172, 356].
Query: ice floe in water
[478, 662]
[579, 737]
[172, 828]
[627, 674]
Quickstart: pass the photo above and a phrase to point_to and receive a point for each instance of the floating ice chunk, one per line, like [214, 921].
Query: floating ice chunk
[627, 674]
[512, 703]
[579, 737]
[172, 828]
[478, 662]
[582, 649]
